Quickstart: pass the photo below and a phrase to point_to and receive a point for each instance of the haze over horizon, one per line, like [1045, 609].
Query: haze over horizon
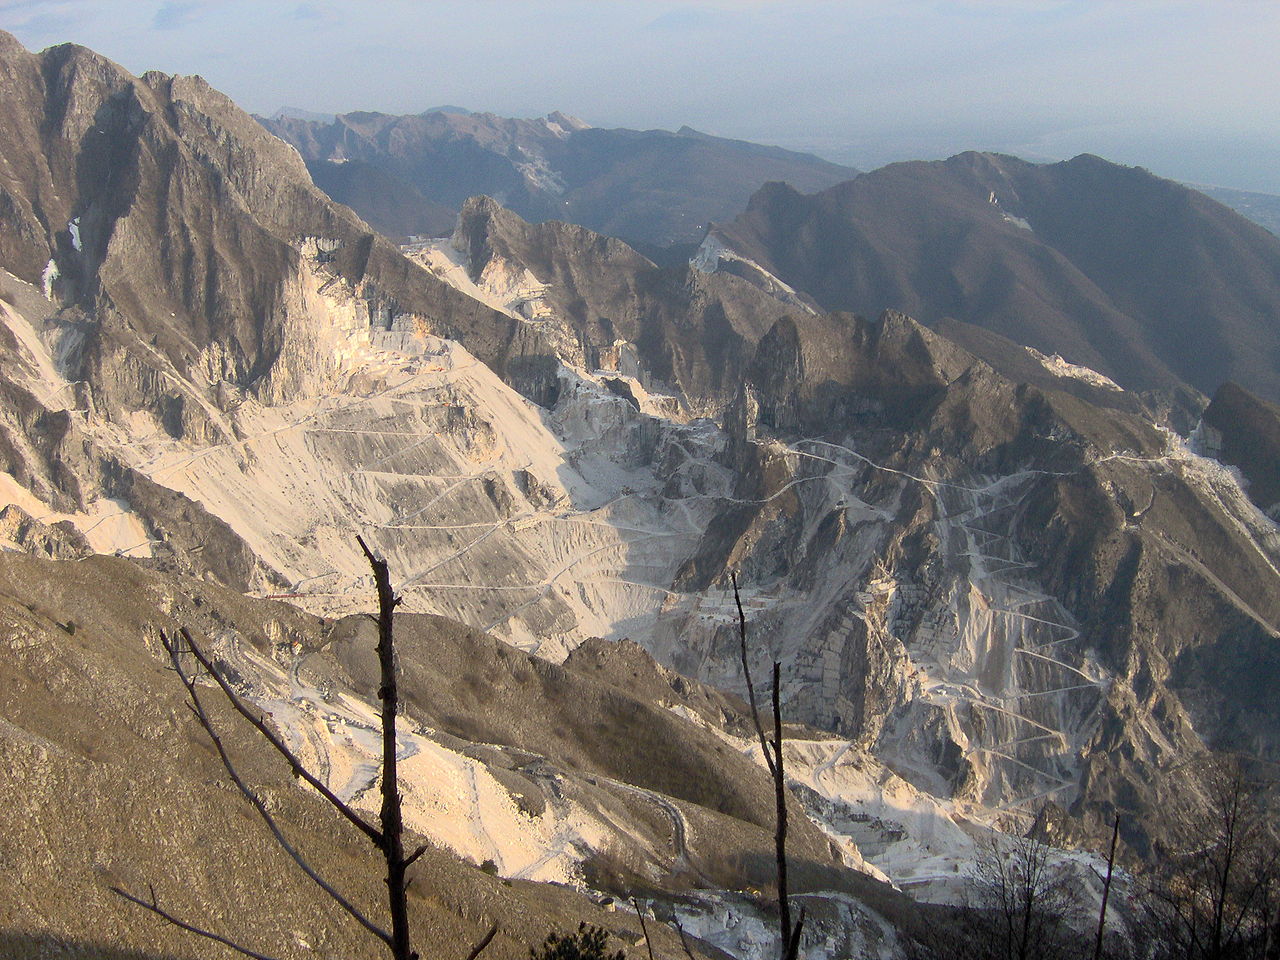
[1185, 89]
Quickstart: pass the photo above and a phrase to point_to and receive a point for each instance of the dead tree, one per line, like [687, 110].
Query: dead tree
[1217, 898]
[772, 749]
[1022, 908]
[387, 835]
[1106, 891]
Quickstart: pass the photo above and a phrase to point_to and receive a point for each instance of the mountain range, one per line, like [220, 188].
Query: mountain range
[1144, 280]
[1007, 596]
[411, 174]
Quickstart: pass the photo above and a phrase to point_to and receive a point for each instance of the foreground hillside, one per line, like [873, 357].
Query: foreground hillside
[608, 770]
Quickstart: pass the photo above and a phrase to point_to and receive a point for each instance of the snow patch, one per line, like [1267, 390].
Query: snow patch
[73, 227]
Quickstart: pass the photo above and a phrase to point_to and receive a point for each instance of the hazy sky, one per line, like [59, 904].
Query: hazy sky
[1189, 89]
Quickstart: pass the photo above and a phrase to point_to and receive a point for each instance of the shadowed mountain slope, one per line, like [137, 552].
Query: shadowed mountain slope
[1244, 431]
[1137, 277]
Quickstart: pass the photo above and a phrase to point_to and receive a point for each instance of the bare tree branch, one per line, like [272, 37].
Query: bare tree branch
[746, 672]
[409, 860]
[392, 824]
[790, 935]
[197, 708]
[295, 765]
[683, 941]
[484, 942]
[155, 908]
[793, 945]
[790, 938]
[1106, 890]
[644, 930]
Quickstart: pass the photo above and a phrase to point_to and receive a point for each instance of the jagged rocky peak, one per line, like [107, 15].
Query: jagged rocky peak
[486, 229]
[838, 376]
[774, 195]
[682, 332]
[565, 122]
[826, 375]
[57, 541]
[471, 235]
[178, 228]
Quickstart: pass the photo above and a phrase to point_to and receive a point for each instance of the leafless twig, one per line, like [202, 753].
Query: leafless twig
[644, 930]
[295, 765]
[790, 934]
[484, 942]
[1106, 890]
[392, 825]
[684, 943]
[155, 908]
[746, 672]
[197, 708]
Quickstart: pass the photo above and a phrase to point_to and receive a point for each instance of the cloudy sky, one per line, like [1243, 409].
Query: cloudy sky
[1189, 89]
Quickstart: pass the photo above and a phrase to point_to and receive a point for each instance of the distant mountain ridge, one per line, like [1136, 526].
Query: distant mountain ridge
[651, 186]
[1137, 277]
[298, 113]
